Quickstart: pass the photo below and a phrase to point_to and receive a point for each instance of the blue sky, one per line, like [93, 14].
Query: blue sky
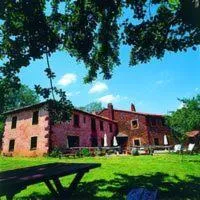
[153, 87]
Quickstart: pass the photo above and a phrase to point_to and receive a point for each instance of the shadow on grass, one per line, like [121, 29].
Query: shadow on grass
[169, 187]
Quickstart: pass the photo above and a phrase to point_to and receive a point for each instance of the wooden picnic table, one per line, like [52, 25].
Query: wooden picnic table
[13, 181]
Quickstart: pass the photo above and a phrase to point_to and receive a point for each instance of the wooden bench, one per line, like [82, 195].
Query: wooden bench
[13, 181]
[141, 194]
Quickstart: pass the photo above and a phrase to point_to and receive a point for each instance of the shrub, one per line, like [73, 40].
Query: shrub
[85, 152]
[56, 153]
[135, 152]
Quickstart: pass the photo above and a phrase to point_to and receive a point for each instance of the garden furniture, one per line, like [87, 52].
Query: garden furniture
[177, 148]
[14, 181]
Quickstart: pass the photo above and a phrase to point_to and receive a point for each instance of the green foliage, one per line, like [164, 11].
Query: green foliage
[92, 107]
[85, 152]
[174, 4]
[56, 153]
[135, 152]
[93, 30]
[21, 97]
[186, 118]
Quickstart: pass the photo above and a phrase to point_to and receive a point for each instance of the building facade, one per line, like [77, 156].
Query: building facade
[138, 129]
[29, 132]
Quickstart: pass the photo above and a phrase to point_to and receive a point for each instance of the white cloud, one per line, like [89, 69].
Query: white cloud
[98, 87]
[67, 79]
[196, 89]
[109, 98]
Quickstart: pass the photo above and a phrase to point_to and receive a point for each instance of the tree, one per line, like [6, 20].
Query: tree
[186, 118]
[20, 98]
[92, 107]
[93, 30]
[13, 99]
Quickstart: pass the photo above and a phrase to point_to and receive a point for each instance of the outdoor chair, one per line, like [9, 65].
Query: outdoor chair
[190, 148]
[142, 194]
[177, 148]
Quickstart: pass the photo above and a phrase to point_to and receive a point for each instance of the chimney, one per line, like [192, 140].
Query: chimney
[110, 111]
[133, 107]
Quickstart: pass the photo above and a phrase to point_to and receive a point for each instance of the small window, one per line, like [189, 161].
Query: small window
[137, 142]
[35, 117]
[156, 141]
[73, 141]
[11, 145]
[14, 122]
[76, 120]
[134, 124]
[33, 143]
[84, 119]
[153, 122]
[101, 126]
[110, 127]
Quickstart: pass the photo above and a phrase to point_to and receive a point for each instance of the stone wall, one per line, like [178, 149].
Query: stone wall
[24, 131]
[59, 132]
[145, 132]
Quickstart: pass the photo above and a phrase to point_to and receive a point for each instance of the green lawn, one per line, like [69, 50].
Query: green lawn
[174, 177]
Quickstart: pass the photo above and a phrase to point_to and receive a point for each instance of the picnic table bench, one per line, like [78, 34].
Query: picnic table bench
[13, 181]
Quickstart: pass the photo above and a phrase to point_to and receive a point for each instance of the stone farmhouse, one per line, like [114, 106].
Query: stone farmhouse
[29, 131]
[138, 129]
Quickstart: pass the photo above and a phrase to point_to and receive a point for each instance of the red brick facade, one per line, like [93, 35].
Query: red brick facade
[138, 128]
[37, 137]
[84, 130]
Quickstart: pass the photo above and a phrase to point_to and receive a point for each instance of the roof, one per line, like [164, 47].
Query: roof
[25, 108]
[193, 133]
[46, 102]
[133, 112]
[94, 115]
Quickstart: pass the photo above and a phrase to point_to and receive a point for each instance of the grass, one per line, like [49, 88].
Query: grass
[174, 177]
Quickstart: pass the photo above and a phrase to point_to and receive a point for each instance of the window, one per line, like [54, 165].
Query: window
[14, 122]
[73, 141]
[137, 142]
[93, 124]
[35, 117]
[11, 145]
[156, 141]
[94, 142]
[110, 127]
[84, 119]
[33, 143]
[153, 122]
[134, 124]
[76, 120]
[101, 126]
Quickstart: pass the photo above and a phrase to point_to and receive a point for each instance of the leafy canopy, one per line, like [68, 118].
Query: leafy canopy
[93, 30]
[92, 107]
[185, 119]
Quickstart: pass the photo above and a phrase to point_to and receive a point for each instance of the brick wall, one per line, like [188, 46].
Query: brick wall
[24, 131]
